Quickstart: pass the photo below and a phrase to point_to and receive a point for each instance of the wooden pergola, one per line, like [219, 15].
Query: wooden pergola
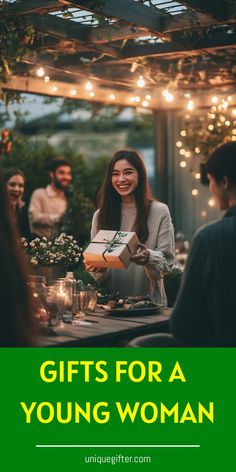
[130, 50]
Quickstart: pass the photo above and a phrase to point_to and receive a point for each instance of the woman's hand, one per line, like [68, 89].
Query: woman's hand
[95, 270]
[142, 255]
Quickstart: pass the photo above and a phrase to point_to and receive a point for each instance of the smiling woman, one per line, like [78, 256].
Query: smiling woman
[126, 204]
[15, 184]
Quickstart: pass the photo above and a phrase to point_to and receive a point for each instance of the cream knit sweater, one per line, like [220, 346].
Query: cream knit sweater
[143, 280]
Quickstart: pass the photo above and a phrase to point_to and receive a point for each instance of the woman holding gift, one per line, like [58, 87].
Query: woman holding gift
[126, 204]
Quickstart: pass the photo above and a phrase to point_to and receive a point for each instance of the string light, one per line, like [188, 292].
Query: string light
[214, 99]
[40, 72]
[46, 78]
[190, 105]
[187, 95]
[227, 123]
[141, 82]
[197, 175]
[183, 132]
[73, 92]
[204, 213]
[168, 96]
[148, 97]
[234, 112]
[182, 164]
[182, 152]
[195, 192]
[187, 154]
[212, 115]
[211, 202]
[54, 89]
[222, 118]
[132, 99]
[91, 94]
[137, 99]
[210, 127]
[179, 144]
[197, 150]
[112, 96]
[145, 103]
[229, 98]
[88, 86]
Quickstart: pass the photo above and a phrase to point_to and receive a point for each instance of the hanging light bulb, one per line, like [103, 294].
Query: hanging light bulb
[168, 96]
[141, 82]
[73, 92]
[210, 127]
[137, 99]
[227, 123]
[148, 97]
[214, 99]
[211, 202]
[89, 86]
[112, 96]
[179, 144]
[40, 72]
[187, 154]
[183, 132]
[197, 176]
[190, 105]
[229, 98]
[145, 103]
[46, 78]
[234, 112]
[197, 150]
[182, 152]
[132, 99]
[195, 192]
[182, 164]
[91, 94]
[187, 95]
[54, 89]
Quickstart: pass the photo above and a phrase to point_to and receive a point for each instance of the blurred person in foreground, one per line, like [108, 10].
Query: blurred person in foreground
[15, 185]
[16, 312]
[48, 205]
[205, 310]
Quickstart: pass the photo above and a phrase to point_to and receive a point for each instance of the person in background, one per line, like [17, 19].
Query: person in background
[127, 205]
[16, 312]
[48, 205]
[15, 184]
[205, 310]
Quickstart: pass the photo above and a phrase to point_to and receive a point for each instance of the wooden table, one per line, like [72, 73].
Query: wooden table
[105, 330]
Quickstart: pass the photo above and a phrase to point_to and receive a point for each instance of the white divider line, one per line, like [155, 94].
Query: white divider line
[119, 445]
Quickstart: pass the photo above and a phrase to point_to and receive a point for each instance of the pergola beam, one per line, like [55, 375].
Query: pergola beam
[216, 8]
[126, 10]
[26, 7]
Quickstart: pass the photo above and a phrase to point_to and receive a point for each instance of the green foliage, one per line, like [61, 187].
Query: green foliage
[15, 39]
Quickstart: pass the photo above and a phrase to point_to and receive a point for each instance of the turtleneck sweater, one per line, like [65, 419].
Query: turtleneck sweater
[148, 279]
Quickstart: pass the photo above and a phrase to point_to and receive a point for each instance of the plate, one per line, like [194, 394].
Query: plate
[133, 311]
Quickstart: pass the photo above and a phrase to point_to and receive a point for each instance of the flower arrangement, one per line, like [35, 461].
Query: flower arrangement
[63, 250]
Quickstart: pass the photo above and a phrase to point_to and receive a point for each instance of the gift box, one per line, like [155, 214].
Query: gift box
[111, 249]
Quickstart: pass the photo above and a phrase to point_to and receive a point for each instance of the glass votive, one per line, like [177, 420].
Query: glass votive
[92, 300]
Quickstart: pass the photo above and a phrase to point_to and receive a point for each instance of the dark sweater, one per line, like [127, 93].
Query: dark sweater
[205, 311]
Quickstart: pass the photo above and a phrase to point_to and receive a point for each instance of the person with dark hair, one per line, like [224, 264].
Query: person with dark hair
[48, 205]
[16, 310]
[205, 310]
[15, 184]
[126, 204]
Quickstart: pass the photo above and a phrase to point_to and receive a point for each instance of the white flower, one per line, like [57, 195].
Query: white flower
[32, 244]
[34, 261]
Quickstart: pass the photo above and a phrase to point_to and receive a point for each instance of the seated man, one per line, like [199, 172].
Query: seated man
[48, 205]
[205, 310]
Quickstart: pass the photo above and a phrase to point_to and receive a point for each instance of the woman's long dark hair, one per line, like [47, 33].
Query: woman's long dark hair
[16, 316]
[110, 201]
